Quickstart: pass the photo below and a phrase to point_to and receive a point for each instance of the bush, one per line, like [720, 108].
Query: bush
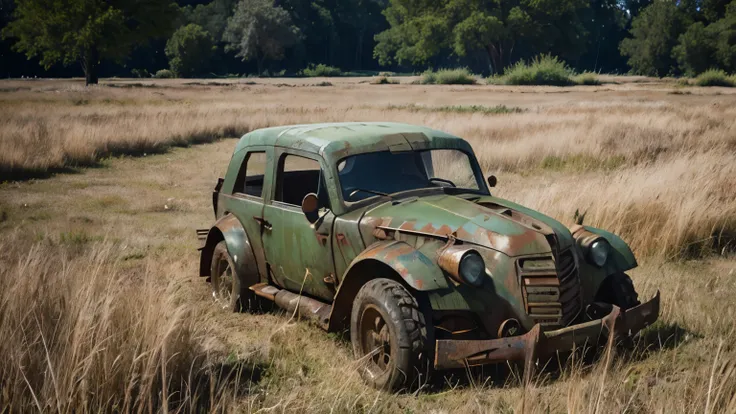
[320, 70]
[190, 50]
[383, 80]
[715, 77]
[140, 73]
[542, 70]
[459, 76]
[164, 74]
[587, 78]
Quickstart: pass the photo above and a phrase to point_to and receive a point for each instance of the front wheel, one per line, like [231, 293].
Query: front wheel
[618, 289]
[389, 335]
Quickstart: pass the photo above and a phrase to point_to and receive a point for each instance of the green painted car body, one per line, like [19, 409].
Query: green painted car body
[403, 236]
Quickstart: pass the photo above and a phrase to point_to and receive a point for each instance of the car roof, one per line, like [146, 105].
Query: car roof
[338, 140]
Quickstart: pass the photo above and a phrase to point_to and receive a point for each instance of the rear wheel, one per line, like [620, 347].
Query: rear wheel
[389, 335]
[227, 288]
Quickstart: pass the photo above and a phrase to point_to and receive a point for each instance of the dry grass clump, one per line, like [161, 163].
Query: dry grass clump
[81, 335]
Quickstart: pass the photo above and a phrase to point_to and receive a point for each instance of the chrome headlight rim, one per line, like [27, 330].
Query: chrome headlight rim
[599, 251]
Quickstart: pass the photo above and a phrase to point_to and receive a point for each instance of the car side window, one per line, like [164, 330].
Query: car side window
[298, 176]
[250, 176]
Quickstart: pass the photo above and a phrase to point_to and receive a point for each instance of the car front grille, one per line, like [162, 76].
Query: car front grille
[551, 289]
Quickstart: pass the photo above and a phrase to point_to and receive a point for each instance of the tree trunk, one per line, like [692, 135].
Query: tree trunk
[90, 64]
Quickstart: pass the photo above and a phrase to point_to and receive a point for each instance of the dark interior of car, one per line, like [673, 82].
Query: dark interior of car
[294, 185]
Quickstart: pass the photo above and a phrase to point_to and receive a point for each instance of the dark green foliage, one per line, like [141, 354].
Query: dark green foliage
[320, 70]
[448, 77]
[259, 31]
[331, 37]
[189, 51]
[655, 33]
[423, 29]
[86, 31]
[715, 77]
[164, 74]
[542, 70]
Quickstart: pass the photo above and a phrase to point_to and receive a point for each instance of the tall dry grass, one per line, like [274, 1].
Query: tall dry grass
[79, 334]
[654, 167]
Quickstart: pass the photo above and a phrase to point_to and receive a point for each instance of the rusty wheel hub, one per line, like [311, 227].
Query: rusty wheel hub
[375, 340]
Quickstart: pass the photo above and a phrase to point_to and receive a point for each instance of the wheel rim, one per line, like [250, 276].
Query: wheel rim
[224, 287]
[375, 341]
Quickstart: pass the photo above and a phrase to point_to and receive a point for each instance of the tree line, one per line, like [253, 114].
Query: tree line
[201, 38]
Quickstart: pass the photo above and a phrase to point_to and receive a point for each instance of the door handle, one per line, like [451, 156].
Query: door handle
[263, 222]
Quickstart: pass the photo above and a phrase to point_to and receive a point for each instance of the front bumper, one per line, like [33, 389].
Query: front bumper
[537, 344]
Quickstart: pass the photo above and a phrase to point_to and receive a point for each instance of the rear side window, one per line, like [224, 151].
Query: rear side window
[298, 176]
[250, 177]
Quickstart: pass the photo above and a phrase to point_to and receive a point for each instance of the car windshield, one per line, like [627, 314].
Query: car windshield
[365, 175]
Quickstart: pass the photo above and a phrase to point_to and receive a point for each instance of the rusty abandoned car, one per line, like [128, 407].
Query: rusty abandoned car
[389, 231]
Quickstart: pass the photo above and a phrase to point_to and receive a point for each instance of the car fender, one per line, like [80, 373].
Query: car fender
[389, 259]
[620, 259]
[229, 228]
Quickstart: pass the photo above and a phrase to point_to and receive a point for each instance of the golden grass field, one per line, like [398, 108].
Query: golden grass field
[101, 308]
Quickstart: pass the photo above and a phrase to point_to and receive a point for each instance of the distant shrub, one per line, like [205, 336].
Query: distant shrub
[587, 78]
[321, 70]
[459, 76]
[164, 74]
[140, 73]
[542, 70]
[715, 77]
[383, 80]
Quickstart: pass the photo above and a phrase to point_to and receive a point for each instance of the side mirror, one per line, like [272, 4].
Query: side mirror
[310, 207]
[492, 181]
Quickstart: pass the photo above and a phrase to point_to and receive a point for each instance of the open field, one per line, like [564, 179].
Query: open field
[99, 298]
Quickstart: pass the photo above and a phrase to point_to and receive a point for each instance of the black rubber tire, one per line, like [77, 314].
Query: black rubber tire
[409, 356]
[228, 290]
[618, 289]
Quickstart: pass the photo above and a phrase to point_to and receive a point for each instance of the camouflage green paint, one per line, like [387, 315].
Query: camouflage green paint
[406, 234]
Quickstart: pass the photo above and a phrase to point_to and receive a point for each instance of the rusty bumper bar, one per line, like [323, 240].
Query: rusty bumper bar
[538, 344]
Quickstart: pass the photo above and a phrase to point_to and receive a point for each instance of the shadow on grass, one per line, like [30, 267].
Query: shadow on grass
[661, 336]
[217, 384]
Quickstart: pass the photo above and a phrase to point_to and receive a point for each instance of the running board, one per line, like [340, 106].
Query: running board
[312, 309]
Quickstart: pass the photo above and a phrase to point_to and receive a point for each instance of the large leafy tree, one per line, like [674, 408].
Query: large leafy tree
[709, 45]
[504, 30]
[189, 50]
[87, 31]
[259, 30]
[655, 32]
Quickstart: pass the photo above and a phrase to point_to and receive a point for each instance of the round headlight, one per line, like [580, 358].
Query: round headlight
[599, 252]
[472, 267]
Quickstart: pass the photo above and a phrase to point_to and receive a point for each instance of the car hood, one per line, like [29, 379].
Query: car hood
[487, 221]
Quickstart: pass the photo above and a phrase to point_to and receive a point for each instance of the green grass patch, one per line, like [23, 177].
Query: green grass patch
[581, 162]
[587, 78]
[463, 109]
[320, 70]
[460, 76]
[715, 77]
[542, 70]
[77, 238]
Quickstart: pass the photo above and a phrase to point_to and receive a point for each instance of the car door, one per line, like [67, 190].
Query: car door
[247, 197]
[299, 256]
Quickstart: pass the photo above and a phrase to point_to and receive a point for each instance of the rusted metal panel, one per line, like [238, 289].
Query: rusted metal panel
[415, 268]
[539, 344]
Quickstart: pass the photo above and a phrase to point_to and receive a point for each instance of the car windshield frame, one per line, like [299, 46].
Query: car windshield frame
[474, 166]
